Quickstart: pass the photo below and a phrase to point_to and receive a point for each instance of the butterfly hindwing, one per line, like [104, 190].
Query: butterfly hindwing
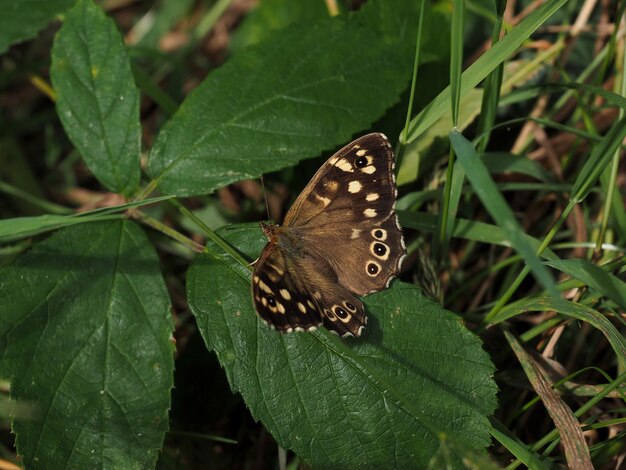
[278, 299]
[300, 294]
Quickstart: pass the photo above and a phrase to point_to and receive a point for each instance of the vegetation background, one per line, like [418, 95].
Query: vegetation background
[132, 137]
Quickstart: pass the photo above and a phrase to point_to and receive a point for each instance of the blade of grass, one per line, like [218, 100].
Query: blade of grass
[595, 277]
[574, 444]
[454, 175]
[585, 180]
[493, 82]
[483, 66]
[44, 205]
[468, 230]
[515, 446]
[22, 227]
[573, 310]
[497, 207]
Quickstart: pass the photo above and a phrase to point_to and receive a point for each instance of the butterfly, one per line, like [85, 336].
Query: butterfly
[340, 238]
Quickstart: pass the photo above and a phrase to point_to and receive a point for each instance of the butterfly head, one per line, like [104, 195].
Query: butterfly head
[269, 229]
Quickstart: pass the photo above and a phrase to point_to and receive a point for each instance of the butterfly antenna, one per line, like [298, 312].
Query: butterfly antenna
[267, 206]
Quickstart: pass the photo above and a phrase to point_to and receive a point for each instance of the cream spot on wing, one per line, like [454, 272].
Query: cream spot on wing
[301, 307]
[344, 165]
[331, 185]
[361, 152]
[265, 287]
[298, 329]
[369, 169]
[285, 293]
[354, 187]
[255, 279]
[264, 301]
[323, 200]
[355, 233]
[372, 197]
[317, 295]
[280, 307]
[310, 304]
[333, 160]
[276, 268]
[369, 213]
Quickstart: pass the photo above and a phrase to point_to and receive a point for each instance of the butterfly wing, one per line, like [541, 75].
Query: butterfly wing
[300, 293]
[346, 215]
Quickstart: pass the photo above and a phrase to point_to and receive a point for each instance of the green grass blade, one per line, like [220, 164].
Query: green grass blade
[598, 160]
[594, 277]
[484, 65]
[497, 207]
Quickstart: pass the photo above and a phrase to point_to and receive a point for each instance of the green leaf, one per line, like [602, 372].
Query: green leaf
[97, 100]
[497, 207]
[270, 15]
[271, 106]
[23, 19]
[594, 277]
[85, 332]
[381, 400]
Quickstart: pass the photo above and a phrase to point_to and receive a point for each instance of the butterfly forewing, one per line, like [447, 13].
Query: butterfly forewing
[348, 212]
[341, 237]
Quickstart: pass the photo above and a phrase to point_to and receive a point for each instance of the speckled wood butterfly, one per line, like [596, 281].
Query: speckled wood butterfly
[341, 237]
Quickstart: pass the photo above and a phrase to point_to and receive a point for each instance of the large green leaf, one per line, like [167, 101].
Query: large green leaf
[307, 88]
[379, 401]
[270, 15]
[85, 332]
[22, 19]
[97, 100]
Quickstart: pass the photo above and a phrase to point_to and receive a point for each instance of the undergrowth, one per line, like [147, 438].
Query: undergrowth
[132, 140]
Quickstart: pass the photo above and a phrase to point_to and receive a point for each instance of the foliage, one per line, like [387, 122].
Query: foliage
[112, 271]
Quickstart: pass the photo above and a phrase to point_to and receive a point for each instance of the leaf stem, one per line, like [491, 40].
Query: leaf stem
[168, 231]
[211, 235]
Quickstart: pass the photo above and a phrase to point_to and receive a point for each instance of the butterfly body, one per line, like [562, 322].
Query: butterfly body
[340, 238]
